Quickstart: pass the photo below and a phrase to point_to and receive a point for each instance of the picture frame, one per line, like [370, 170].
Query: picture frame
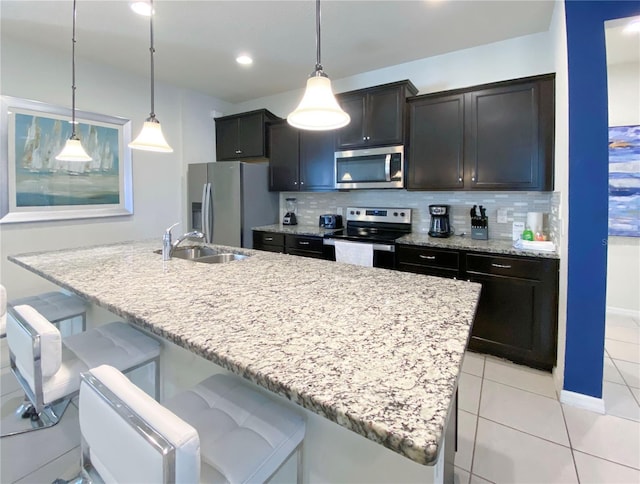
[34, 186]
[624, 181]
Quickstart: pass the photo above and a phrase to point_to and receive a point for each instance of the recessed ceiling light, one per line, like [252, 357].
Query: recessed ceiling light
[632, 27]
[244, 60]
[141, 8]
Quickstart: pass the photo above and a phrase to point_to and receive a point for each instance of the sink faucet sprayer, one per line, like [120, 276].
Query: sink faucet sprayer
[168, 247]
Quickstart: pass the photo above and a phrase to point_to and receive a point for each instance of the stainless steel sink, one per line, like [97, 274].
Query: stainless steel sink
[206, 255]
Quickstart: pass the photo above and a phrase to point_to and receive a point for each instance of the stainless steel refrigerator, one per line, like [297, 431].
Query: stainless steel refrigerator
[228, 198]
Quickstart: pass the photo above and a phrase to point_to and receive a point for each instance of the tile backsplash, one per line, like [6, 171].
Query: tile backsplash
[516, 204]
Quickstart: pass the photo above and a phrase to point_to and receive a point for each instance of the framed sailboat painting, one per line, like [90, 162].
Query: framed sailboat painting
[38, 187]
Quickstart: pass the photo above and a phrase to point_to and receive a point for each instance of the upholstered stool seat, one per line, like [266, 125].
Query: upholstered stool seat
[48, 367]
[220, 431]
[56, 306]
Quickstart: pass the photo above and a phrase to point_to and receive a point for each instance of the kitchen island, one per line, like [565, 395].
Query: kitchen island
[375, 351]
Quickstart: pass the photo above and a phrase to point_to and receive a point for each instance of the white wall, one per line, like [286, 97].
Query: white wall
[623, 256]
[520, 57]
[558, 33]
[158, 179]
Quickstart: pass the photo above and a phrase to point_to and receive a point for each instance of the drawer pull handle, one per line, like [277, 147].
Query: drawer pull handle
[428, 257]
[268, 239]
[501, 266]
[304, 243]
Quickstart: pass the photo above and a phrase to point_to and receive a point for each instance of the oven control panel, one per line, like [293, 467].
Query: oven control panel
[375, 214]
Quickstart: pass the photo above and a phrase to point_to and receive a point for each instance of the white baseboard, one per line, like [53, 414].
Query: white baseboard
[582, 401]
[558, 379]
[624, 312]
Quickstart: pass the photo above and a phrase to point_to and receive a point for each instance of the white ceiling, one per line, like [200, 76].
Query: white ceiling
[622, 47]
[197, 41]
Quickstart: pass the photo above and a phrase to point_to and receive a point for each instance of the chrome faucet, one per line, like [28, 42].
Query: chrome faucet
[189, 235]
[166, 243]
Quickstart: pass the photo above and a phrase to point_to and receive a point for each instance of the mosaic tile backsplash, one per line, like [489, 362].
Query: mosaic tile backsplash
[313, 204]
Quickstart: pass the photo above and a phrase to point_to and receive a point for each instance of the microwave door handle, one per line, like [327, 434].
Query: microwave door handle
[387, 167]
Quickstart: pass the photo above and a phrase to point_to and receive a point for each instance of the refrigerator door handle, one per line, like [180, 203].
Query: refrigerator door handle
[211, 214]
[206, 210]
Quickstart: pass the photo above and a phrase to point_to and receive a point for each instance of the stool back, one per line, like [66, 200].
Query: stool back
[129, 437]
[35, 349]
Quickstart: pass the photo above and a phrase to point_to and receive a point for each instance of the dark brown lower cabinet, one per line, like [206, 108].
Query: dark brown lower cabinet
[269, 241]
[301, 245]
[517, 314]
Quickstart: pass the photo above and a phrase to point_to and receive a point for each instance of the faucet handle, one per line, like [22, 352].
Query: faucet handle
[168, 231]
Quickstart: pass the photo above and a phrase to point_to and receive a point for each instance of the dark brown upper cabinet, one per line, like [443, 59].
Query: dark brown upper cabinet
[300, 160]
[243, 136]
[493, 137]
[377, 116]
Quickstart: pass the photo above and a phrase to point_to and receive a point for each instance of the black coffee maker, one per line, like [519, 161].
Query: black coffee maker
[440, 226]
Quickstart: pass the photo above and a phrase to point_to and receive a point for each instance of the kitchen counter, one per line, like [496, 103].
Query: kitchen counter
[494, 246]
[376, 351]
[313, 230]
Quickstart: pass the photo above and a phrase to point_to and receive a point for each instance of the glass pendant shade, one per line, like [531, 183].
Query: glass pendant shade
[151, 138]
[318, 109]
[73, 151]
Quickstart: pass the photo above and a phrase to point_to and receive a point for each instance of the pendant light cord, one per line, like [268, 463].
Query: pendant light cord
[152, 114]
[73, 75]
[318, 63]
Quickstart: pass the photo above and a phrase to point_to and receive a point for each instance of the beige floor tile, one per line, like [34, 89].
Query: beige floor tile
[525, 411]
[66, 467]
[636, 393]
[8, 382]
[460, 476]
[520, 377]
[611, 373]
[505, 455]
[473, 363]
[619, 401]
[478, 480]
[630, 372]
[621, 320]
[4, 353]
[25, 453]
[467, 423]
[624, 333]
[469, 392]
[612, 438]
[619, 350]
[592, 470]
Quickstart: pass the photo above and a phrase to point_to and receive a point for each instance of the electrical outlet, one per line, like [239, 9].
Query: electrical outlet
[503, 214]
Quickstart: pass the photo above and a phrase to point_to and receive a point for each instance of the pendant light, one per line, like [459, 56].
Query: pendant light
[151, 137]
[318, 109]
[73, 150]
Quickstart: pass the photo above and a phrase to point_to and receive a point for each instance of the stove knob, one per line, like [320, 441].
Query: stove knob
[395, 214]
[351, 212]
[358, 212]
[402, 214]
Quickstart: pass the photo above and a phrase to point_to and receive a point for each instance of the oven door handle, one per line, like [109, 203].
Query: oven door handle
[380, 247]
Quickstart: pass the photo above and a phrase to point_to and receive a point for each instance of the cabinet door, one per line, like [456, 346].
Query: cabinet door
[353, 134]
[502, 151]
[384, 117]
[317, 168]
[436, 142]
[283, 163]
[227, 139]
[251, 130]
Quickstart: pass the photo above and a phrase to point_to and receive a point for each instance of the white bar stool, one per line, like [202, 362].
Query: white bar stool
[3, 311]
[48, 367]
[220, 431]
[56, 306]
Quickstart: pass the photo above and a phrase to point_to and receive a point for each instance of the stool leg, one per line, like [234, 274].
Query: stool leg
[299, 463]
[156, 364]
[84, 322]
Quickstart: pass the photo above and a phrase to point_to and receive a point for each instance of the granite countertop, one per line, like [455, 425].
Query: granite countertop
[495, 246]
[296, 229]
[374, 350]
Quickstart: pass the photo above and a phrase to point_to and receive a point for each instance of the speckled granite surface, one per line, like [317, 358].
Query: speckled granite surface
[495, 246]
[375, 350]
[296, 229]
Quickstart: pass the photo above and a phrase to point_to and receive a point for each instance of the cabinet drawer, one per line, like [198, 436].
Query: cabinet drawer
[505, 266]
[425, 256]
[268, 238]
[309, 244]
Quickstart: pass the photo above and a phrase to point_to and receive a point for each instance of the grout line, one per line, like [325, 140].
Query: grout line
[606, 460]
[525, 390]
[573, 457]
[525, 432]
[475, 433]
[53, 460]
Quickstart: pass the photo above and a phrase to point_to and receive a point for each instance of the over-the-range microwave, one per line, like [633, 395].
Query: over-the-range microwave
[370, 168]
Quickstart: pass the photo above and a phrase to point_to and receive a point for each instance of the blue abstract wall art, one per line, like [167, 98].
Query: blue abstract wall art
[624, 181]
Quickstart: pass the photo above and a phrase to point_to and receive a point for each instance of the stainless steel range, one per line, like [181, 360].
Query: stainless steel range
[379, 227]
